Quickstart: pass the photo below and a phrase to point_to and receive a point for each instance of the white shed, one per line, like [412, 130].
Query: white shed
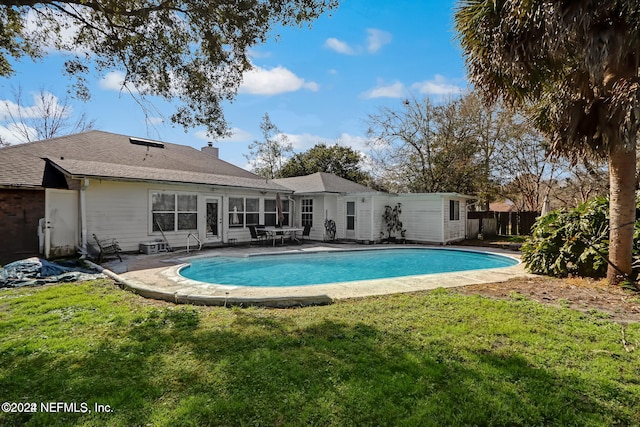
[426, 217]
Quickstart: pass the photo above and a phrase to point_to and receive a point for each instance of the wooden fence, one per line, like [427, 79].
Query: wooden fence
[502, 223]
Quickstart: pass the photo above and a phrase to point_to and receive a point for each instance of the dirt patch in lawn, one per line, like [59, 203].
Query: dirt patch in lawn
[587, 295]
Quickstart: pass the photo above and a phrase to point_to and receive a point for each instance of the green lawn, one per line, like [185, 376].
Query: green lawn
[435, 358]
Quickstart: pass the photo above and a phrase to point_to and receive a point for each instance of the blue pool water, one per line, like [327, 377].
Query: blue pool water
[302, 269]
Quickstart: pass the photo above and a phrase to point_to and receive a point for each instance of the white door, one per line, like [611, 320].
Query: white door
[350, 229]
[213, 219]
[61, 222]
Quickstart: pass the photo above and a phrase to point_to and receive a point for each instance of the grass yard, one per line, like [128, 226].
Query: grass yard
[430, 359]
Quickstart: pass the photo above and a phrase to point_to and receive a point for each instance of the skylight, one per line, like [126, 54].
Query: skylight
[146, 142]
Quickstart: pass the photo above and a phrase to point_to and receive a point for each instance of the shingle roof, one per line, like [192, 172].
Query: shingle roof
[112, 155]
[322, 182]
[88, 169]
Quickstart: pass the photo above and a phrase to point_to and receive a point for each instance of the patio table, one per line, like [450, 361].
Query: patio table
[291, 231]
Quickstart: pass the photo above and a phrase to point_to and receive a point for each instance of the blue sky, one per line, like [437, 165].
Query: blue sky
[317, 85]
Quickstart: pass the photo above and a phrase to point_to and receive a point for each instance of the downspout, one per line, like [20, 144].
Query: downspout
[83, 218]
[445, 223]
[224, 212]
[373, 221]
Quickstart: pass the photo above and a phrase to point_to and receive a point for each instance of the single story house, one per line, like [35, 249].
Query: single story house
[56, 194]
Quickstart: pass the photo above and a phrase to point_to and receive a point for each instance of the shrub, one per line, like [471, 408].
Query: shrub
[393, 225]
[572, 242]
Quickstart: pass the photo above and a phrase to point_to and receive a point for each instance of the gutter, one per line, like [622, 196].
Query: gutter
[22, 187]
[158, 181]
[163, 181]
[83, 216]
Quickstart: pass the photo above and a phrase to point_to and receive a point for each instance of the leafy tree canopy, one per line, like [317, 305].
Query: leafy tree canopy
[336, 159]
[575, 64]
[191, 50]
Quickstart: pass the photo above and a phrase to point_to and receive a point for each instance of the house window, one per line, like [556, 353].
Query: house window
[454, 210]
[271, 212]
[253, 211]
[243, 211]
[236, 212]
[307, 212]
[174, 211]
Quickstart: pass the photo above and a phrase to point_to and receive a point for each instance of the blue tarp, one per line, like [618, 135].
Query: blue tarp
[37, 271]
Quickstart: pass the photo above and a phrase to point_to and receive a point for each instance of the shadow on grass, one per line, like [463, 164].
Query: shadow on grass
[165, 368]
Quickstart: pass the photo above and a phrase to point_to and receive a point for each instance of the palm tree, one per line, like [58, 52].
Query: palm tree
[574, 66]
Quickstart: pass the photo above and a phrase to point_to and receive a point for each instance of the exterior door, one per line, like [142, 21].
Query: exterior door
[213, 220]
[61, 222]
[350, 229]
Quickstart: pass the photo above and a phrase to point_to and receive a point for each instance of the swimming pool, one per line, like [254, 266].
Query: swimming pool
[303, 269]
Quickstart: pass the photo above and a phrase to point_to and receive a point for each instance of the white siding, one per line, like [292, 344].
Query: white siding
[340, 219]
[364, 219]
[422, 218]
[425, 217]
[329, 211]
[317, 228]
[122, 210]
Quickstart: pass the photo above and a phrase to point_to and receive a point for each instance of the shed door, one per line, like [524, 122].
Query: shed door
[61, 222]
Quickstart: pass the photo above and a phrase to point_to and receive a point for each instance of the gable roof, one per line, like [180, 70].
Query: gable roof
[322, 182]
[109, 155]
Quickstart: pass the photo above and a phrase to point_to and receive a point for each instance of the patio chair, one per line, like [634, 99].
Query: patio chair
[257, 235]
[107, 247]
[306, 232]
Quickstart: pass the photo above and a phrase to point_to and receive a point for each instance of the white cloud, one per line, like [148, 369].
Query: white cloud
[155, 121]
[377, 39]
[339, 46]
[114, 80]
[438, 86]
[10, 134]
[312, 86]
[261, 81]
[394, 90]
[358, 143]
[254, 53]
[305, 141]
[237, 135]
[44, 103]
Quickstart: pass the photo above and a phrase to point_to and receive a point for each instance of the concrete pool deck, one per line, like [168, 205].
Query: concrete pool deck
[156, 276]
